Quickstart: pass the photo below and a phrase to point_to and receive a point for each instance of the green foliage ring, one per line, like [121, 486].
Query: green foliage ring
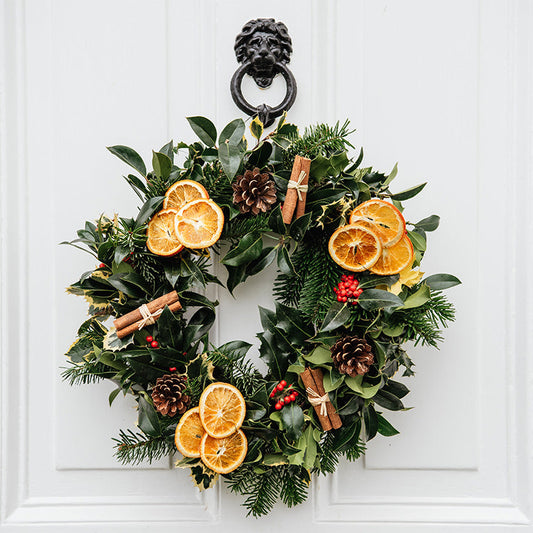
[286, 446]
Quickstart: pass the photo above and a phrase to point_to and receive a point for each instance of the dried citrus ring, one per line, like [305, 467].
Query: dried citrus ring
[199, 223]
[183, 192]
[189, 433]
[354, 247]
[395, 258]
[389, 222]
[222, 409]
[162, 239]
[226, 454]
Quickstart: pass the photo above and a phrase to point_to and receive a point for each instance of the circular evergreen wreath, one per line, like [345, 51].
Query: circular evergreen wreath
[350, 325]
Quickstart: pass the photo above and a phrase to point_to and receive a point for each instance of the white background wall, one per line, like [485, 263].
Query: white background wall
[442, 87]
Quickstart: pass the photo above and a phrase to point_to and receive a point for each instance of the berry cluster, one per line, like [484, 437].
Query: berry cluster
[347, 290]
[280, 399]
[151, 342]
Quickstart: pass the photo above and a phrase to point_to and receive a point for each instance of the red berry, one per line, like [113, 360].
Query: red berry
[354, 302]
[356, 283]
[283, 383]
[344, 299]
[293, 397]
[149, 338]
[359, 292]
[287, 399]
[154, 344]
[343, 292]
[272, 394]
[101, 265]
[172, 369]
[339, 298]
[279, 387]
[281, 401]
[278, 406]
[295, 393]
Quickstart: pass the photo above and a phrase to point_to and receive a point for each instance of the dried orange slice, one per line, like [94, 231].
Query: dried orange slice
[189, 433]
[389, 222]
[183, 192]
[354, 247]
[162, 239]
[226, 454]
[199, 223]
[222, 409]
[395, 258]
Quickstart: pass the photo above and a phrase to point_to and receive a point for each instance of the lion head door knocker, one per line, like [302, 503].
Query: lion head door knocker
[263, 48]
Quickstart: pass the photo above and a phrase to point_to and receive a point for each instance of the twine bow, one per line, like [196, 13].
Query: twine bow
[298, 185]
[148, 318]
[315, 399]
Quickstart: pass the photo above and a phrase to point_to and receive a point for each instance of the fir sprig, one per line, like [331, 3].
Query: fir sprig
[135, 448]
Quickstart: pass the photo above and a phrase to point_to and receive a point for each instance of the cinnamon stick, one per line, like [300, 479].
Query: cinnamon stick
[305, 167]
[309, 381]
[334, 418]
[132, 328]
[291, 198]
[153, 306]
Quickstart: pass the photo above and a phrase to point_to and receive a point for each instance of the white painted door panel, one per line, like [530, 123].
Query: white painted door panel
[441, 87]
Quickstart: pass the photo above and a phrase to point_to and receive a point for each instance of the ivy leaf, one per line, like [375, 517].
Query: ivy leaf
[130, 157]
[373, 299]
[385, 428]
[430, 223]
[205, 130]
[438, 282]
[248, 249]
[292, 418]
[337, 315]
[408, 193]
[148, 420]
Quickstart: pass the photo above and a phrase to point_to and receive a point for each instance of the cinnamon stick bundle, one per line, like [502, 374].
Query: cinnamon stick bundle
[129, 323]
[314, 378]
[299, 179]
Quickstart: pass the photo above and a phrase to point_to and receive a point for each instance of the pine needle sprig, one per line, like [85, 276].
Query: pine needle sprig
[86, 373]
[135, 448]
[357, 450]
[329, 457]
[294, 485]
[242, 225]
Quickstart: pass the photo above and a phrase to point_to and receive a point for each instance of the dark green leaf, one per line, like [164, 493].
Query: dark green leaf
[371, 422]
[408, 193]
[232, 133]
[385, 428]
[248, 249]
[230, 156]
[430, 223]
[162, 165]
[148, 209]
[336, 317]
[205, 130]
[284, 261]
[266, 257]
[419, 242]
[113, 395]
[292, 418]
[148, 420]
[396, 388]
[275, 221]
[130, 157]
[373, 299]
[388, 401]
[438, 282]
[299, 226]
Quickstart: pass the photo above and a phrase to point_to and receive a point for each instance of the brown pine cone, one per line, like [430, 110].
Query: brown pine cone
[352, 355]
[254, 192]
[169, 395]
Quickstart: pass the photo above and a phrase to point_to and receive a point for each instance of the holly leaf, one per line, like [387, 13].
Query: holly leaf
[148, 420]
[248, 249]
[292, 418]
[337, 315]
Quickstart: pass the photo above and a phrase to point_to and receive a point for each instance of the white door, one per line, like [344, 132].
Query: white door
[442, 87]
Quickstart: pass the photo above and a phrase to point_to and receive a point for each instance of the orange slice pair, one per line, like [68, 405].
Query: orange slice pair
[375, 240]
[188, 219]
[211, 430]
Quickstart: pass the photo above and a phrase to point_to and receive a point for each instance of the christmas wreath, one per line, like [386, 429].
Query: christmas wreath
[349, 294]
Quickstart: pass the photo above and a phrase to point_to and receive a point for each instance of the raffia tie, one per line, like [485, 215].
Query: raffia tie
[300, 188]
[315, 399]
[148, 318]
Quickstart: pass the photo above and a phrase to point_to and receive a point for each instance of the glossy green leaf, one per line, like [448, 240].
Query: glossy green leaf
[148, 420]
[205, 130]
[430, 223]
[230, 156]
[319, 356]
[266, 257]
[373, 299]
[439, 282]
[420, 297]
[292, 418]
[148, 210]
[391, 176]
[130, 157]
[419, 242]
[284, 261]
[299, 226]
[361, 388]
[233, 133]
[337, 315]
[248, 249]
[385, 428]
[408, 193]
[388, 401]
[162, 165]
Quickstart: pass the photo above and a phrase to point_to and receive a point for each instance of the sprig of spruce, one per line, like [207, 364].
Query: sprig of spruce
[135, 448]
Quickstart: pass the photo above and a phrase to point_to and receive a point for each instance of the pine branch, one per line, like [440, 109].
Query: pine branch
[134, 448]
[355, 451]
[85, 373]
[242, 225]
[294, 485]
[329, 457]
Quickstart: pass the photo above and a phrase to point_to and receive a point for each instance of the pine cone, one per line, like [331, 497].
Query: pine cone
[169, 394]
[352, 356]
[254, 192]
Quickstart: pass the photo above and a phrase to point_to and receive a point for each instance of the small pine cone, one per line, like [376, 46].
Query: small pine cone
[169, 395]
[352, 356]
[254, 192]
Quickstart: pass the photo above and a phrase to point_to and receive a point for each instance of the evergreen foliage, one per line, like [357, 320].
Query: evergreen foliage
[135, 448]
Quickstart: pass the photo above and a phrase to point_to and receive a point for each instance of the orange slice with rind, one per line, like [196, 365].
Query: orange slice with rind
[182, 192]
[222, 409]
[189, 433]
[389, 224]
[395, 258]
[354, 247]
[199, 223]
[226, 454]
[162, 239]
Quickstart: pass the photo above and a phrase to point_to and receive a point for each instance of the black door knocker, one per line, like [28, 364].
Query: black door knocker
[263, 48]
